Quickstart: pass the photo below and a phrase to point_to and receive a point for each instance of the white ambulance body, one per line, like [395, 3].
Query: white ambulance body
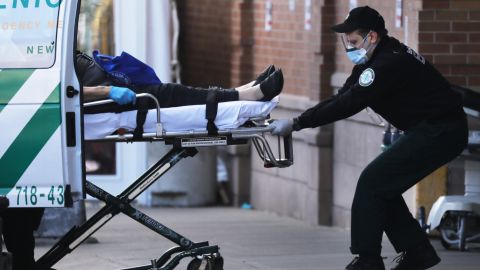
[40, 123]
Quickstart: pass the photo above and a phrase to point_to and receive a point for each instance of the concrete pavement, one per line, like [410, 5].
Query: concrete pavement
[248, 239]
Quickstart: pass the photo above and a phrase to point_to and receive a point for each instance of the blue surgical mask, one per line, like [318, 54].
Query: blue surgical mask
[358, 56]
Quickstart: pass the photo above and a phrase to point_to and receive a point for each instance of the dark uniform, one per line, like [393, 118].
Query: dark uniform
[401, 86]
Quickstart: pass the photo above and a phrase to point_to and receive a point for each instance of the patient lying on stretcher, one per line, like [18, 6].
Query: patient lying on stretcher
[96, 85]
[105, 119]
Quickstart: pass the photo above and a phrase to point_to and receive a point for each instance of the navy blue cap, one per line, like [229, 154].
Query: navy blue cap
[362, 18]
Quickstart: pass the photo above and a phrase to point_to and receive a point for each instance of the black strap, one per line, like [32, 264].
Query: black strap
[211, 112]
[142, 111]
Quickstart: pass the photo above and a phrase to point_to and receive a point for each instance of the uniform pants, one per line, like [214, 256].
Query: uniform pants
[18, 227]
[378, 205]
[169, 95]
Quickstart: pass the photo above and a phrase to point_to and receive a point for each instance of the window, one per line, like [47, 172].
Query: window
[28, 33]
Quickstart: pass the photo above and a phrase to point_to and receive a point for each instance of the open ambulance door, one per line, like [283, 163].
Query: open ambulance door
[40, 127]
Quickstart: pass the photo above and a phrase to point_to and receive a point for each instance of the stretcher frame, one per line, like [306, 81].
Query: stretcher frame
[184, 145]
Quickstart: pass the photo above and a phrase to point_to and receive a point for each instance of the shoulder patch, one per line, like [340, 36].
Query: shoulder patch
[367, 77]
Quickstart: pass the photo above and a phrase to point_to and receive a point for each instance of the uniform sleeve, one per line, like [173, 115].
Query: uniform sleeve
[374, 83]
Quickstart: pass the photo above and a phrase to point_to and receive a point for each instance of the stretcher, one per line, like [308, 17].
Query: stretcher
[175, 120]
[251, 127]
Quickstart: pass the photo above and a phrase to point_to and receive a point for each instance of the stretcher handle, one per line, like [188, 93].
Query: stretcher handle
[266, 154]
[288, 148]
[148, 95]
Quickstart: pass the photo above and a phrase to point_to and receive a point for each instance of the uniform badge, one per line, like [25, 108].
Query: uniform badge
[367, 77]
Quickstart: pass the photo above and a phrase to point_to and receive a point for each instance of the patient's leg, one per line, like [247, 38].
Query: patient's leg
[169, 95]
[267, 85]
[174, 95]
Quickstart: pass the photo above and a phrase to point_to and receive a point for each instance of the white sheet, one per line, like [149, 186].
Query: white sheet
[229, 115]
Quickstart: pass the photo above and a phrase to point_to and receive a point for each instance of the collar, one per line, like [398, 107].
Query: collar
[377, 49]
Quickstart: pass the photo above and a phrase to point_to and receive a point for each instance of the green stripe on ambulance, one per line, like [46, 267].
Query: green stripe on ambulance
[30, 142]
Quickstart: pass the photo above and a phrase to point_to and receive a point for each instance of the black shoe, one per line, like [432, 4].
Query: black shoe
[361, 263]
[262, 76]
[419, 258]
[272, 85]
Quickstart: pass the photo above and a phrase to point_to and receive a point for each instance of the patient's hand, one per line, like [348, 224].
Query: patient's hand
[122, 95]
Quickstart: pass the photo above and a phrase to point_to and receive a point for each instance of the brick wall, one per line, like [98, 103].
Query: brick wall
[225, 42]
[289, 46]
[206, 47]
[450, 38]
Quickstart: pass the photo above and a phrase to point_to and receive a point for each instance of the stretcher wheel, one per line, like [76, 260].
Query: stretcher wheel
[453, 231]
[194, 264]
[215, 263]
[445, 244]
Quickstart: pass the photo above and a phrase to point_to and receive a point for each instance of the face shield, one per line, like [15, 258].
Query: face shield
[356, 52]
[348, 46]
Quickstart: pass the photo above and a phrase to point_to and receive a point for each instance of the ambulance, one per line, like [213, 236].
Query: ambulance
[40, 114]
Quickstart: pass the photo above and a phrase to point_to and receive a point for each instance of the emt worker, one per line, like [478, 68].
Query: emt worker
[401, 86]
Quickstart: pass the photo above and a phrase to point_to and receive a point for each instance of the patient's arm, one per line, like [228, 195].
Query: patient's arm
[91, 93]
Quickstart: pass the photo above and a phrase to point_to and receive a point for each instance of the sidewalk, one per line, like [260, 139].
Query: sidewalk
[248, 239]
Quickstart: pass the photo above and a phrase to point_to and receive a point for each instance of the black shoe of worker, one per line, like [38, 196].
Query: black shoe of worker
[272, 85]
[419, 258]
[363, 263]
[265, 73]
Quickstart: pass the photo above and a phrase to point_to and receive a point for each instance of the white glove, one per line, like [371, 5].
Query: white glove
[282, 127]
